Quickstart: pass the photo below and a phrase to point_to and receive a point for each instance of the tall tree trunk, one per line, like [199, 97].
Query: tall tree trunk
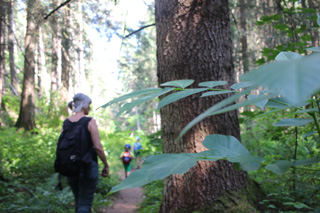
[44, 78]
[2, 49]
[194, 42]
[56, 52]
[315, 35]
[12, 49]
[26, 118]
[81, 78]
[66, 63]
[244, 43]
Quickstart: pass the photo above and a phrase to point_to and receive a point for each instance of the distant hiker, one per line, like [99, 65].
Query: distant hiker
[126, 158]
[79, 145]
[137, 148]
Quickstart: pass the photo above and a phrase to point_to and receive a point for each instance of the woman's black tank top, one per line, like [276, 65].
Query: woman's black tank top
[85, 122]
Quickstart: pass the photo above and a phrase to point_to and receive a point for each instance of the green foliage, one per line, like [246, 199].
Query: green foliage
[295, 34]
[27, 178]
[10, 112]
[290, 87]
[153, 197]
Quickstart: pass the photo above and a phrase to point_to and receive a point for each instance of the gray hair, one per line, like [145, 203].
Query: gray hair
[79, 102]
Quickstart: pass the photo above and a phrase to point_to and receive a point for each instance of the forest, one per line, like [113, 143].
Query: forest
[224, 95]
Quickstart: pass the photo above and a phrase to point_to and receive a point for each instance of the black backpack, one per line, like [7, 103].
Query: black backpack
[74, 149]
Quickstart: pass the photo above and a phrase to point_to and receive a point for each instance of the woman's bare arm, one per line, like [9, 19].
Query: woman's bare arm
[93, 129]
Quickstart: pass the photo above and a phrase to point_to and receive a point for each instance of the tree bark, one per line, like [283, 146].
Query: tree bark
[2, 49]
[56, 52]
[12, 49]
[66, 63]
[244, 42]
[194, 42]
[26, 117]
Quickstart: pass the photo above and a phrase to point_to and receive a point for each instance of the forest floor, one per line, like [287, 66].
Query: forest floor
[125, 201]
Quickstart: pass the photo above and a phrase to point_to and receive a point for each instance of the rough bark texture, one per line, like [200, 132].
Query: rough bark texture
[56, 52]
[194, 42]
[66, 63]
[2, 48]
[244, 43]
[26, 118]
[12, 49]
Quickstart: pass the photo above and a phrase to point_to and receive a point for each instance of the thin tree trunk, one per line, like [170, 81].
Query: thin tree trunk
[194, 42]
[12, 49]
[56, 53]
[26, 118]
[2, 46]
[81, 83]
[66, 62]
[244, 43]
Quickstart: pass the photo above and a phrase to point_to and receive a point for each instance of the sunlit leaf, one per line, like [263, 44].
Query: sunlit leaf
[131, 95]
[296, 79]
[287, 56]
[151, 96]
[279, 167]
[214, 93]
[293, 122]
[211, 84]
[241, 85]
[224, 146]
[179, 95]
[179, 83]
[260, 104]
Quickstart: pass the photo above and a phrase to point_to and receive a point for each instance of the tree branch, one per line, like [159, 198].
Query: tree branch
[141, 28]
[61, 5]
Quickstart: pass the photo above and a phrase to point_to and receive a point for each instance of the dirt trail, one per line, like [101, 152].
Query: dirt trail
[126, 201]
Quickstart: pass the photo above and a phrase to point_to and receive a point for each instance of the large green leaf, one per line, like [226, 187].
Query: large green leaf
[211, 84]
[215, 93]
[212, 109]
[131, 95]
[151, 96]
[179, 95]
[279, 167]
[308, 134]
[255, 100]
[314, 49]
[179, 83]
[247, 162]
[308, 110]
[224, 146]
[287, 56]
[260, 104]
[158, 167]
[293, 122]
[296, 79]
[278, 103]
[241, 85]
[306, 162]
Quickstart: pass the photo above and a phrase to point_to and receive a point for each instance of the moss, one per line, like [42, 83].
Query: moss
[243, 200]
